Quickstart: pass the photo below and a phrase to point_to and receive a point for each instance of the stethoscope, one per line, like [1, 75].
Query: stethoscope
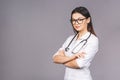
[85, 41]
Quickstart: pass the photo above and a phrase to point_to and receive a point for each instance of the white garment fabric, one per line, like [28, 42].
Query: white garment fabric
[90, 49]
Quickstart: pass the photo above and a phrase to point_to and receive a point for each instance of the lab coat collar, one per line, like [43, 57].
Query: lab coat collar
[84, 36]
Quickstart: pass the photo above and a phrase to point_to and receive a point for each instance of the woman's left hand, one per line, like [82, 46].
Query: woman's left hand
[80, 55]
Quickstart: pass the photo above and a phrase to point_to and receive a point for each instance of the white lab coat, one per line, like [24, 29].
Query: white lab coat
[90, 48]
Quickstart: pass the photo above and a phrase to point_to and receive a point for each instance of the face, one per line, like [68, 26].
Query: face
[79, 22]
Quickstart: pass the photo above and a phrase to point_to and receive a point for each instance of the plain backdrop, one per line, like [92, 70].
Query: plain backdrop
[31, 31]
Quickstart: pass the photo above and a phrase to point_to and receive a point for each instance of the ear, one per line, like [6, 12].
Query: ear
[88, 19]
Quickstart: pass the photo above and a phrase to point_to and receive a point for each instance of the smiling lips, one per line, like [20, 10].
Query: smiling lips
[77, 27]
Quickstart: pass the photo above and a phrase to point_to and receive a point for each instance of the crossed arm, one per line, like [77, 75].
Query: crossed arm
[61, 58]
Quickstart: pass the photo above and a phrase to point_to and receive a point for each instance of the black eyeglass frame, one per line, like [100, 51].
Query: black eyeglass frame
[79, 21]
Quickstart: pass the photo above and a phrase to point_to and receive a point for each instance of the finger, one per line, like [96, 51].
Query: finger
[77, 56]
[81, 56]
[83, 53]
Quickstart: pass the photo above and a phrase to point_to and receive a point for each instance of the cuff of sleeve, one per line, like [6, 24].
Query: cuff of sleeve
[80, 63]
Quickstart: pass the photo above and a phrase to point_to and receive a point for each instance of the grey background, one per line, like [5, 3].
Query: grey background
[31, 31]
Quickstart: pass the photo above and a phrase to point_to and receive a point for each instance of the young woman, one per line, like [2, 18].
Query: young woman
[78, 50]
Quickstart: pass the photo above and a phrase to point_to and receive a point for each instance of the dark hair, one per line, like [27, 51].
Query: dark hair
[84, 12]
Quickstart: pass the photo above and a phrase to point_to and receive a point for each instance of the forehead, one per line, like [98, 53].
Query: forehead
[77, 15]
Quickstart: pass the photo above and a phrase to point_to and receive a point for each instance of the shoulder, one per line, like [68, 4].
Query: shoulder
[93, 38]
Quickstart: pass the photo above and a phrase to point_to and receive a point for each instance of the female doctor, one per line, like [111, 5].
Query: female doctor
[78, 50]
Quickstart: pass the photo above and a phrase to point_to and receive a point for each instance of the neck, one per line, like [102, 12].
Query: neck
[81, 33]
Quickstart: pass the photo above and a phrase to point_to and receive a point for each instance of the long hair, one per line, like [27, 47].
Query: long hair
[85, 13]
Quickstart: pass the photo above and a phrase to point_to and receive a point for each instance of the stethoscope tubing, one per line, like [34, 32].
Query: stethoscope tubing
[67, 48]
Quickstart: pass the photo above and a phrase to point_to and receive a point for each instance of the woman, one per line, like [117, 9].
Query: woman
[78, 50]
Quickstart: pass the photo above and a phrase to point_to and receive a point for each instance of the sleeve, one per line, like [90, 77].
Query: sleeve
[65, 44]
[90, 50]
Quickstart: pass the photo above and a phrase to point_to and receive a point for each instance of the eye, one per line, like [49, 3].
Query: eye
[79, 20]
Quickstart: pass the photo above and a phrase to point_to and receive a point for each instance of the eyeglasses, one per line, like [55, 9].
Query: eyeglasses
[79, 21]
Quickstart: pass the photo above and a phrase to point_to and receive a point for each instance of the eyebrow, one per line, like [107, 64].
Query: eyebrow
[79, 18]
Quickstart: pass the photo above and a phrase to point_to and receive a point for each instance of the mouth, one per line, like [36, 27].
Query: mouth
[77, 27]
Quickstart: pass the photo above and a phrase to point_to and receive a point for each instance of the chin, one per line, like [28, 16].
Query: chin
[78, 30]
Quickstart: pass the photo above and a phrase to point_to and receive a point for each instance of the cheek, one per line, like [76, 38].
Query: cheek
[85, 23]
